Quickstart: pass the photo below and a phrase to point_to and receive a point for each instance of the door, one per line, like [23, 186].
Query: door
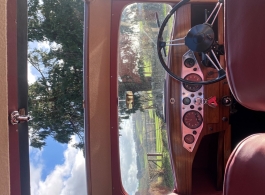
[17, 95]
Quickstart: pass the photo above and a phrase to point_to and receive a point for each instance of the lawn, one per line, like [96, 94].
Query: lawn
[163, 162]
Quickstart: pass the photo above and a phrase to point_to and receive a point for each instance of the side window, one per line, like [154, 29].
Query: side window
[144, 155]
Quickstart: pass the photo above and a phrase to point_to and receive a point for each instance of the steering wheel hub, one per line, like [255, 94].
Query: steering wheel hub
[200, 38]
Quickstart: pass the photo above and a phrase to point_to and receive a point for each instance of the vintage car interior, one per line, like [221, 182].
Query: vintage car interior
[171, 88]
[206, 115]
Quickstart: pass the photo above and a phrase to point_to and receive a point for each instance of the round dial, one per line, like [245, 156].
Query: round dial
[189, 139]
[192, 77]
[186, 101]
[192, 119]
[189, 62]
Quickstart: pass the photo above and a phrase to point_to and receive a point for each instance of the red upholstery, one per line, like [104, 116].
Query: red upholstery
[245, 51]
[245, 170]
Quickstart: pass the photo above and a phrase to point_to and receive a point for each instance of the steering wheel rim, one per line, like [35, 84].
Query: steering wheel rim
[161, 45]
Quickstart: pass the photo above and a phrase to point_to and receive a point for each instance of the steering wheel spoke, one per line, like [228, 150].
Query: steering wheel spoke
[215, 57]
[217, 67]
[179, 39]
[217, 13]
[172, 42]
[175, 44]
[218, 5]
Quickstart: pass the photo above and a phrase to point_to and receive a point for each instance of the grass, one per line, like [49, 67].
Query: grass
[147, 67]
[161, 147]
[166, 179]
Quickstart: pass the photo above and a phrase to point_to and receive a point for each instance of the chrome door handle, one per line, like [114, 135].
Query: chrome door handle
[19, 117]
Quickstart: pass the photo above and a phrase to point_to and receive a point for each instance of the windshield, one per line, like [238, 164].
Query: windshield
[144, 154]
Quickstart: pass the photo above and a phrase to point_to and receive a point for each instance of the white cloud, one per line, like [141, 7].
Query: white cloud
[128, 157]
[68, 178]
[31, 77]
[35, 177]
[43, 45]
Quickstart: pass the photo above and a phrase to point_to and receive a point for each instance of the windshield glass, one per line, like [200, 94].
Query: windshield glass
[144, 154]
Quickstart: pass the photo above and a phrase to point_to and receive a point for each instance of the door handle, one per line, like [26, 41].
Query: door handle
[19, 117]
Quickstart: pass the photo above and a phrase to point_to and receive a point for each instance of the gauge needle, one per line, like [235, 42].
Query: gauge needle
[198, 118]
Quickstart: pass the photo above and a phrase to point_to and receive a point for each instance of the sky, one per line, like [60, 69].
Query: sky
[57, 169]
[128, 157]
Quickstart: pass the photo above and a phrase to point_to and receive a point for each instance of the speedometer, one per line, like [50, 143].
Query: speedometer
[192, 119]
[192, 77]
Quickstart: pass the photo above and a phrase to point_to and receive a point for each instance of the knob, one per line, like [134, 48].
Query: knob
[19, 117]
[226, 101]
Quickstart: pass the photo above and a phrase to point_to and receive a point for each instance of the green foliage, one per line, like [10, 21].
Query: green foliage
[57, 21]
[168, 176]
[55, 99]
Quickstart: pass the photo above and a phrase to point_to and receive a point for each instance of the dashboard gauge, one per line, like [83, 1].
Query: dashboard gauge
[189, 139]
[192, 119]
[192, 77]
[186, 101]
[189, 62]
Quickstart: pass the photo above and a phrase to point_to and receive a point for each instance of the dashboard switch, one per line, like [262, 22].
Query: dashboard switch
[226, 101]
[198, 101]
[212, 102]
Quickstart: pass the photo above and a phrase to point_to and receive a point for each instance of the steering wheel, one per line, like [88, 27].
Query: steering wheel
[199, 38]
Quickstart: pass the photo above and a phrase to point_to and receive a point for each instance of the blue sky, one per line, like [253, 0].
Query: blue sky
[57, 169]
[64, 174]
[52, 155]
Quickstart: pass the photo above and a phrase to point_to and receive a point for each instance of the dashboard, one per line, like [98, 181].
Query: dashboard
[202, 133]
[192, 107]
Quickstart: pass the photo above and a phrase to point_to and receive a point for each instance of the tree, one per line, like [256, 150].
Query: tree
[55, 99]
